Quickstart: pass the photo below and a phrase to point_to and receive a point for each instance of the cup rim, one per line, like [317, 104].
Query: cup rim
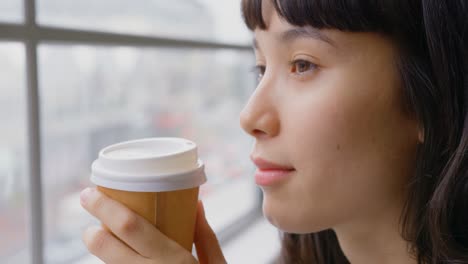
[142, 177]
[129, 143]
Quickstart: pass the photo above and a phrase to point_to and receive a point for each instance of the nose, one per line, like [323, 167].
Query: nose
[259, 118]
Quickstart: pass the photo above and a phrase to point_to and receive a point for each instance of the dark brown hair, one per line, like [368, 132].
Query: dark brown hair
[433, 55]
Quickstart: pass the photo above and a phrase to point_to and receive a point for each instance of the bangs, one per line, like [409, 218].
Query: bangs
[345, 15]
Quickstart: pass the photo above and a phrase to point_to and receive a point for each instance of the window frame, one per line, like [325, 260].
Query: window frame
[31, 35]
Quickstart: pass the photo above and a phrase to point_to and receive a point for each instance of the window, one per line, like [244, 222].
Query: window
[11, 11]
[13, 178]
[109, 71]
[94, 96]
[188, 19]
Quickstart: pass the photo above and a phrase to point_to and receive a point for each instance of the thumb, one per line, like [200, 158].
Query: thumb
[206, 243]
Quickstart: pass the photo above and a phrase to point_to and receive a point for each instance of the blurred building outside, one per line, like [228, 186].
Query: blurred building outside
[92, 96]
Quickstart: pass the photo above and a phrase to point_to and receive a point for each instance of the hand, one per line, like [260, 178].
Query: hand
[136, 241]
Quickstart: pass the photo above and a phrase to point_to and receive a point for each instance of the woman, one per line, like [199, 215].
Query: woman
[361, 128]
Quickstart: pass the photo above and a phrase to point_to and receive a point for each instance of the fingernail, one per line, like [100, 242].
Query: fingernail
[84, 195]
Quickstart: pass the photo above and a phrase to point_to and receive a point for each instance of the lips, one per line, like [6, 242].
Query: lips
[268, 165]
[271, 174]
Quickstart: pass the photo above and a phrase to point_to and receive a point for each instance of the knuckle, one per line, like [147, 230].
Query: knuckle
[96, 241]
[129, 224]
[98, 203]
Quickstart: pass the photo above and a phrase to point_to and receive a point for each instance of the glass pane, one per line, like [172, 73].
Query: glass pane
[93, 97]
[193, 19]
[11, 11]
[13, 156]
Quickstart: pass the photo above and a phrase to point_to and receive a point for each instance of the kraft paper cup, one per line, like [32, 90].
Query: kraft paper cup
[158, 178]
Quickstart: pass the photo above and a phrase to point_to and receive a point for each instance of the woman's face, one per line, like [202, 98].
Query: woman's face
[329, 104]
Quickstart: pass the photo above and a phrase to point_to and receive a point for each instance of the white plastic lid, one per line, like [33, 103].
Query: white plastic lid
[149, 165]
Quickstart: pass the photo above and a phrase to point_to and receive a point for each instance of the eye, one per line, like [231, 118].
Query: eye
[302, 66]
[259, 71]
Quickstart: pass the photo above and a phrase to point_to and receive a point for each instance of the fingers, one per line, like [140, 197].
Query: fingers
[206, 243]
[108, 248]
[131, 228]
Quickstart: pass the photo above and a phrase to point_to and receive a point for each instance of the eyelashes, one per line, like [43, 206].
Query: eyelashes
[298, 68]
[301, 66]
[259, 71]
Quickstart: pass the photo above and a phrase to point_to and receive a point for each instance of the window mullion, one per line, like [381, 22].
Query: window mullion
[34, 146]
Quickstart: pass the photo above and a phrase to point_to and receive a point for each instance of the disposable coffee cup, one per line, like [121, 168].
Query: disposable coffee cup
[158, 178]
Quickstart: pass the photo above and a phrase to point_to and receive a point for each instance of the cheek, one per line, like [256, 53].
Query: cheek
[353, 155]
[325, 138]
[318, 140]
[353, 121]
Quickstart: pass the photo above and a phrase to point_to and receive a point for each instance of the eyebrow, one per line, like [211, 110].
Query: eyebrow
[293, 34]
[304, 32]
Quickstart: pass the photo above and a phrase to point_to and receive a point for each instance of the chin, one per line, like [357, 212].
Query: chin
[287, 220]
[288, 226]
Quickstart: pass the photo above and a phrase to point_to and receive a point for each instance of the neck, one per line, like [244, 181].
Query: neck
[375, 239]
